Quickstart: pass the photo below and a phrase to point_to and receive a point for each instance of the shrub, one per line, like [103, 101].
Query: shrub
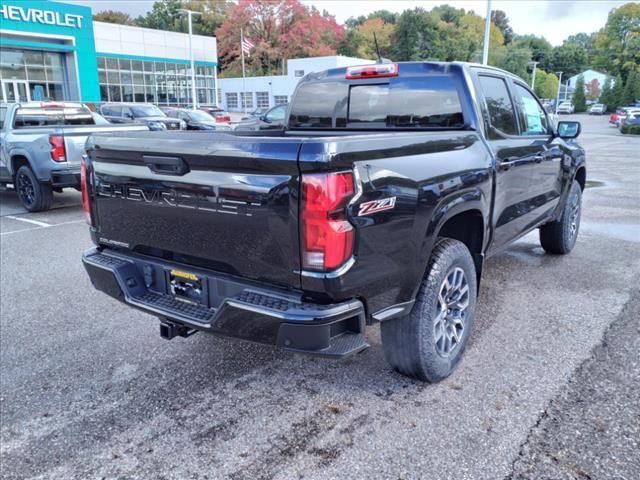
[630, 129]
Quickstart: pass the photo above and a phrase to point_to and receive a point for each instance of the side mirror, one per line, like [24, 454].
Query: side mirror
[129, 115]
[568, 130]
[265, 119]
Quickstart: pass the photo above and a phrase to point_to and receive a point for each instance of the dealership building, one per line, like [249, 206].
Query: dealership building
[52, 50]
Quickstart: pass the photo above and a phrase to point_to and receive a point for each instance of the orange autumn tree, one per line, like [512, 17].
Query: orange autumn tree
[280, 30]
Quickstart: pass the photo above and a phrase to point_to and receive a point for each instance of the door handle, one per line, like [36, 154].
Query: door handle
[166, 165]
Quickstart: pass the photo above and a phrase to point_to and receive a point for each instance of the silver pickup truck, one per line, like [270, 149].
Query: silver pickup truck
[41, 145]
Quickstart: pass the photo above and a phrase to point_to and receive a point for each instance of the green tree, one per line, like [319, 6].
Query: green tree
[552, 85]
[500, 20]
[163, 16]
[541, 50]
[618, 44]
[511, 58]
[605, 95]
[540, 87]
[569, 59]
[585, 41]
[546, 85]
[350, 43]
[112, 16]
[415, 36]
[617, 92]
[631, 91]
[367, 45]
[579, 99]
[213, 13]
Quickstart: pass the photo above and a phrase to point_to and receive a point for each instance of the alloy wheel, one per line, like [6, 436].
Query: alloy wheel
[451, 314]
[26, 190]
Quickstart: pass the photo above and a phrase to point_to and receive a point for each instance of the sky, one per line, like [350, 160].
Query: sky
[553, 19]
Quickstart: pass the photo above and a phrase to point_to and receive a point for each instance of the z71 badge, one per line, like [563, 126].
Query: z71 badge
[374, 206]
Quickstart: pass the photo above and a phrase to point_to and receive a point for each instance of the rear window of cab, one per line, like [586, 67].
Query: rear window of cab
[421, 102]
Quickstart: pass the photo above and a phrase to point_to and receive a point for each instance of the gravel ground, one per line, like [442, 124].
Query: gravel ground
[88, 389]
[592, 429]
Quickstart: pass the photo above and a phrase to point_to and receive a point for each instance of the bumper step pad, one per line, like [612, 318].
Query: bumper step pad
[250, 313]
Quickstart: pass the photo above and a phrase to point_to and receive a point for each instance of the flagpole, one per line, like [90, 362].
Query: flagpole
[244, 87]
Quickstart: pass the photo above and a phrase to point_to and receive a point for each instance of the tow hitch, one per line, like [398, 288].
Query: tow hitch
[168, 330]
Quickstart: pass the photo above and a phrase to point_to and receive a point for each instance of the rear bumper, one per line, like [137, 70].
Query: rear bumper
[230, 306]
[65, 178]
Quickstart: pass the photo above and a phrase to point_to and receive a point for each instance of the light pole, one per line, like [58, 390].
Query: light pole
[533, 76]
[191, 13]
[487, 25]
[558, 97]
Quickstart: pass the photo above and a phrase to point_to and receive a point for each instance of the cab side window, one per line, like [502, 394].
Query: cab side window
[277, 114]
[501, 112]
[3, 114]
[532, 116]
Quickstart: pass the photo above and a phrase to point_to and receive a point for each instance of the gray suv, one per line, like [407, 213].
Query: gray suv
[145, 113]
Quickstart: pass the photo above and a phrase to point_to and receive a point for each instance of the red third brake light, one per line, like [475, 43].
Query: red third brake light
[327, 235]
[58, 152]
[84, 185]
[372, 71]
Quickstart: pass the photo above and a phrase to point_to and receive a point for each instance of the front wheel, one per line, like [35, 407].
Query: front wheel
[34, 195]
[560, 236]
[428, 343]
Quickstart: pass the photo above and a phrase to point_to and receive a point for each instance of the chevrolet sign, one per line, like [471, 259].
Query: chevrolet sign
[36, 15]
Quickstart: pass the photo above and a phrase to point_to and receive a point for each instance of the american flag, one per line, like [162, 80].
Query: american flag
[247, 45]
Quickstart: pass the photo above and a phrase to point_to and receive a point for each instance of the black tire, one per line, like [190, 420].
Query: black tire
[411, 342]
[559, 237]
[34, 195]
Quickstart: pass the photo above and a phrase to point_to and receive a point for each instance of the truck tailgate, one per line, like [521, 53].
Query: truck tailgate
[76, 136]
[208, 199]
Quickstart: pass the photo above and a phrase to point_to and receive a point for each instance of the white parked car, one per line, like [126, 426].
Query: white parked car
[597, 109]
[566, 107]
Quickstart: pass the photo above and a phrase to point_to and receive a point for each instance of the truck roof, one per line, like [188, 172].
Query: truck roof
[51, 104]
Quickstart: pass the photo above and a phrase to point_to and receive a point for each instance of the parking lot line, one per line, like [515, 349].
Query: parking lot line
[45, 225]
[28, 220]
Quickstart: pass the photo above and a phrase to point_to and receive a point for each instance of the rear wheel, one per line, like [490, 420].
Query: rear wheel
[34, 195]
[428, 343]
[560, 236]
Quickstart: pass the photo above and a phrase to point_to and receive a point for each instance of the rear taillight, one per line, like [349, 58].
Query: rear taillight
[84, 185]
[372, 71]
[327, 236]
[58, 153]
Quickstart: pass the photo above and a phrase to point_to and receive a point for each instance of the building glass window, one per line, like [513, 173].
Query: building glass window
[163, 83]
[246, 99]
[232, 100]
[43, 73]
[219, 96]
[262, 99]
[298, 73]
[280, 99]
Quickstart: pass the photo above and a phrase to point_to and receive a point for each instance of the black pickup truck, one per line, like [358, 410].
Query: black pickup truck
[378, 203]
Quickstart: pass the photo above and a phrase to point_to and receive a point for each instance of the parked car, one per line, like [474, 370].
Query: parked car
[196, 119]
[629, 113]
[218, 113]
[622, 114]
[633, 118]
[273, 119]
[566, 107]
[41, 144]
[258, 112]
[145, 113]
[379, 202]
[597, 109]
[613, 118]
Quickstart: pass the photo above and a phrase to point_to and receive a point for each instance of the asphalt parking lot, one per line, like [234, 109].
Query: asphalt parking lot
[548, 387]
